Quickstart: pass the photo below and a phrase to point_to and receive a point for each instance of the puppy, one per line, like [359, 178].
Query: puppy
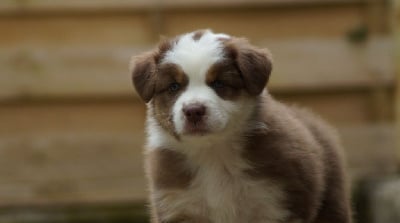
[220, 149]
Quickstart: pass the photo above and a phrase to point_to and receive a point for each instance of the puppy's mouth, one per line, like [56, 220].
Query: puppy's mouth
[195, 128]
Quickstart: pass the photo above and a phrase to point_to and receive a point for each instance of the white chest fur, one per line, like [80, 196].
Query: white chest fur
[222, 193]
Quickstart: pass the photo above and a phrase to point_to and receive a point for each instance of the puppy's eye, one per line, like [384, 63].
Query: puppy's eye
[217, 84]
[174, 87]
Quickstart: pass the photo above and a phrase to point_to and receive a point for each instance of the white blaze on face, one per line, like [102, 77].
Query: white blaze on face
[195, 57]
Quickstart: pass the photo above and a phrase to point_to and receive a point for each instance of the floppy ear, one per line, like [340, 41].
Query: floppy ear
[254, 64]
[143, 69]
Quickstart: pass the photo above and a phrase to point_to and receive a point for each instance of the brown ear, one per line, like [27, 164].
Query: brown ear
[143, 68]
[254, 64]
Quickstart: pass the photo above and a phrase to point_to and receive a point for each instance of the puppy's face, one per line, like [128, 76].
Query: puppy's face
[200, 83]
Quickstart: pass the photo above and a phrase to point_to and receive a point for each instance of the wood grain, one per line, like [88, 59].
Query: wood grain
[66, 153]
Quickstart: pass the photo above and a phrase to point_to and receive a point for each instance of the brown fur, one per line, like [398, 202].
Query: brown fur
[229, 76]
[144, 70]
[169, 169]
[298, 150]
[254, 64]
[198, 34]
[332, 208]
[143, 75]
[164, 99]
[152, 81]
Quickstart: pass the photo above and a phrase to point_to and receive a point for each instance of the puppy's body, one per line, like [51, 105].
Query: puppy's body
[222, 150]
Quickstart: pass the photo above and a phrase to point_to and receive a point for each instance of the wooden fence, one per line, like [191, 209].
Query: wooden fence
[71, 126]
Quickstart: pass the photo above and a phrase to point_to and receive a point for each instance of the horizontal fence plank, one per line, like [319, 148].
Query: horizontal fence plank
[370, 150]
[101, 167]
[65, 73]
[330, 105]
[331, 63]
[65, 168]
[29, 72]
[40, 5]
[260, 23]
[143, 28]
[71, 152]
[127, 212]
[76, 31]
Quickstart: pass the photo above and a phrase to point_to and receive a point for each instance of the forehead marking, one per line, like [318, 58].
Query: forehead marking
[198, 34]
[195, 57]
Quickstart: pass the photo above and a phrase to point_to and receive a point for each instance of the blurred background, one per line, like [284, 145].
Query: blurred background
[71, 125]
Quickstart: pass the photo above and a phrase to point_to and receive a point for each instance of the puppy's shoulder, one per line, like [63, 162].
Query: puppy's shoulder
[292, 126]
[297, 121]
[323, 133]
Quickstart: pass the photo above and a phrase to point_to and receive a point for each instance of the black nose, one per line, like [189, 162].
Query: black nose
[194, 112]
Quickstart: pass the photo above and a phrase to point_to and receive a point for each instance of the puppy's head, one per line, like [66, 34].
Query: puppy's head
[200, 83]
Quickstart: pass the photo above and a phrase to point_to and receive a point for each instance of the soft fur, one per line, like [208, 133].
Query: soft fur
[220, 149]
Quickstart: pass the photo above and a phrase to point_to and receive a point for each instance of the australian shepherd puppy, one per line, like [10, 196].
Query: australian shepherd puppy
[220, 149]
